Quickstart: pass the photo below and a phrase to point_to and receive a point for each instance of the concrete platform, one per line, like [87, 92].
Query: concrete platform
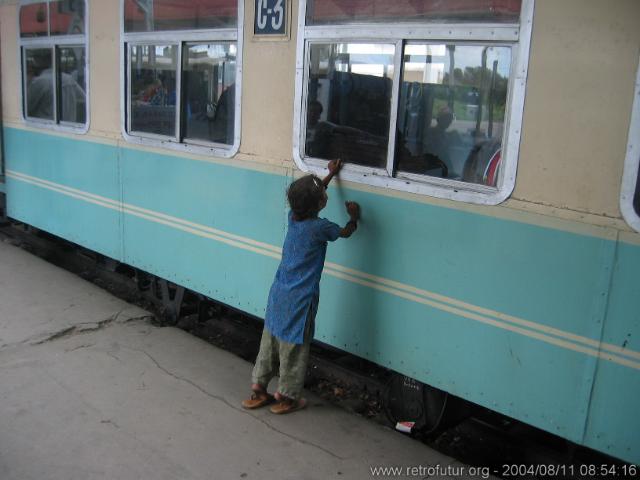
[90, 389]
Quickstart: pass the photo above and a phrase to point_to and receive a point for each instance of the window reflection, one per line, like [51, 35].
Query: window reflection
[322, 12]
[39, 83]
[159, 15]
[34, 20]
[451, 113]
[153, 89]
[209, 92]
[349, 101]
[71, 84]
[67, 17]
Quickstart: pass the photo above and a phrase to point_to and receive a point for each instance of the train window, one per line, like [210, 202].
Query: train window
[40, 86]
[630, 191]
[451, 111]
[34, 20]
[412, 98]
[159, 15]
[326, 12]
[182, 81]
[353, 81]
[54, 64]
[209, 93]
[153, 89]
[67, 17]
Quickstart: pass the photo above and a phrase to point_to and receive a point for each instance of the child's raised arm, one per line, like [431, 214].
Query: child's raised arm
[353, 209]
[334, 168]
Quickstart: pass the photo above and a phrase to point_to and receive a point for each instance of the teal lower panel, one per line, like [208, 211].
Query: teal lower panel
[614, 419]
[86, 224]
[538, 383]
[228, 274]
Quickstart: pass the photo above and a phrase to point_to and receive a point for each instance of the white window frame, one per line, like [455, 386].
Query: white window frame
[632, 162]
[53, 42]
[181, 38]
[517, 36]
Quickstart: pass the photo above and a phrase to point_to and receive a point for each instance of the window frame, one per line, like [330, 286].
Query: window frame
[54, 42]
[518, 37]
[632, 162]
[181, 38]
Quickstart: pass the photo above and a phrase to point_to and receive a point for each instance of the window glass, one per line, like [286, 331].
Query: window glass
[39, 83]
[71, 84]
[158, 15]
[209, 92]
[153, 89]
[34, 20]
[451, 115]
[322, 12]
[349, 102]
[67, 17]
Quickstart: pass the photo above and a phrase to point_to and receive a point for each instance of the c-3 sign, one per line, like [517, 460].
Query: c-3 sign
[271, 17]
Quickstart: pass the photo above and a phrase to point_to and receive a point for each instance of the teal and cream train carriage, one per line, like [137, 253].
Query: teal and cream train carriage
[492, 144]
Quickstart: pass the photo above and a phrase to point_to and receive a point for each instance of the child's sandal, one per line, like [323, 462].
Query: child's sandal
[257, 400]
[288, 406]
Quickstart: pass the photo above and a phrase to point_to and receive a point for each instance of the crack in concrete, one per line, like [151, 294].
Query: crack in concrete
[87, 327]
[84, 345]
[230, 405]
[77, 329]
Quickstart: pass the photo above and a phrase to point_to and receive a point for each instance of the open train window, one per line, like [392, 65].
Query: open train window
[53, 48]
[425, 97]
[181, 75]
[630, 191]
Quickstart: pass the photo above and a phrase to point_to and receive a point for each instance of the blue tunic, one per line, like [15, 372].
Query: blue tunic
[296, 288]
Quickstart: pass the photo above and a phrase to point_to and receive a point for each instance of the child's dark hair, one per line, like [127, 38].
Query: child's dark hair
[304, 196]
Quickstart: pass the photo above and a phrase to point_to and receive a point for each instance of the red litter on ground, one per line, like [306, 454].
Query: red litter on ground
[405, 427]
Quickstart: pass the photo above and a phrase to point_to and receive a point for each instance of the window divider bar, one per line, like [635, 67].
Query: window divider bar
[55, 82]
[128, 89]
[179, 36]
[395, 100]
[56, 40]
[25, 103]
[178, 94]
[458, 32]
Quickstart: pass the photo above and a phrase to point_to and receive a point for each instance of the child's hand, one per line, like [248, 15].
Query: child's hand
[335, 166]
[353, 209]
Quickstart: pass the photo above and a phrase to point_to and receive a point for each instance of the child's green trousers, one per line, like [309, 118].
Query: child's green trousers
[289, 360]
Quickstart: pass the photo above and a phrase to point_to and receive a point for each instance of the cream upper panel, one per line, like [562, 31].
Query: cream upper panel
[9, 62]
[104, 48]
[268, 91]
[584, 55]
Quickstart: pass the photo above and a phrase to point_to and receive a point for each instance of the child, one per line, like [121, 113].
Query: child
[294, 295]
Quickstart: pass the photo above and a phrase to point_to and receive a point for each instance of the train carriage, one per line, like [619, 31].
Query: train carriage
[493, 146]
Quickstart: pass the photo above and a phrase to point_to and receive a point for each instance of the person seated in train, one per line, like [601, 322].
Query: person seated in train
[294, 294]
[438, 139]
[426, 163]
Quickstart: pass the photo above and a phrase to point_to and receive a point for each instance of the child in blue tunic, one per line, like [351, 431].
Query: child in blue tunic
[294, 295]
